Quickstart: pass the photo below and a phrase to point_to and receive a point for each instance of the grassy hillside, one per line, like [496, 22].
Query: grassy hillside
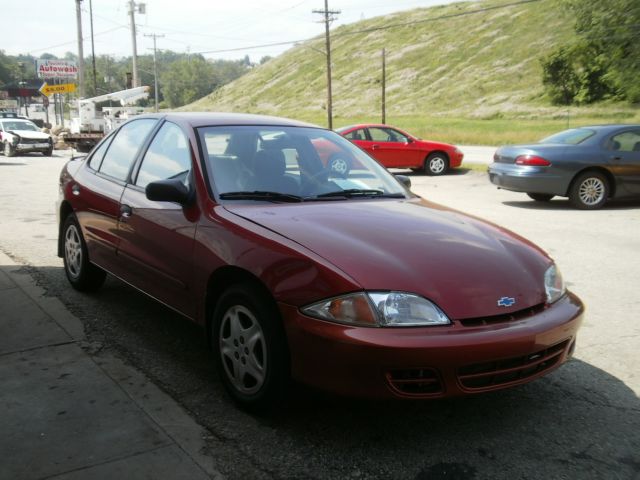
[483, 67]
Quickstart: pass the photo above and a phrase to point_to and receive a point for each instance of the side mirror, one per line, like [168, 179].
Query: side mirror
[409, 140]
[404, 180]
[170, 190]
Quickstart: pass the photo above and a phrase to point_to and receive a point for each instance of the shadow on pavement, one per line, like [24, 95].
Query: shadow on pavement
[578, 422]
[560, 203]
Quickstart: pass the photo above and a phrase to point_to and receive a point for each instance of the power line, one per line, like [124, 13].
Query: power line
[372, 29]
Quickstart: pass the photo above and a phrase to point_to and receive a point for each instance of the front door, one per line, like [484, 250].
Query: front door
[390, 147]
[157, 238]
[625, 160]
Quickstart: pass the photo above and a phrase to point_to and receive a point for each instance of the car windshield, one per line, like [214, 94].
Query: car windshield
[289, 164]
[15, 125]
[573, 136]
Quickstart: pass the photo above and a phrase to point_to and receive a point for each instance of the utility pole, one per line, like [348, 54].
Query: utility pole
[384, 87]
[80, 50]
[155, 66]
[132, 10]
[329, 16]
[93, 50]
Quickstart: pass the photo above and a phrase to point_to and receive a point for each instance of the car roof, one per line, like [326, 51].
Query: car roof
[608, 127]
[206, 119]
[365, 125]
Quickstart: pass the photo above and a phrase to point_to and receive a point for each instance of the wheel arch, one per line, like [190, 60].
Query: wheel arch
[436, 152]
[223, 278]
[607, 174]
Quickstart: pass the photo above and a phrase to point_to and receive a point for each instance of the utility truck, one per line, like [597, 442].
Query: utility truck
[92, 123]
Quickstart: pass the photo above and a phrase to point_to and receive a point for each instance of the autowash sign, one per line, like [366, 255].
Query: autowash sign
[56, 69]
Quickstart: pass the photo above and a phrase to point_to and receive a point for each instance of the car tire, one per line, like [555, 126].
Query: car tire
[84, 148]
[81, 273]
[250, 346]
[540, 197]
[436, 164]
[339, 165]
[589, 191]
[48, 152]
[9, 150]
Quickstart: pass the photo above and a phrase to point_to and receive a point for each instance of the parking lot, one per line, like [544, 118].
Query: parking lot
[583, 421]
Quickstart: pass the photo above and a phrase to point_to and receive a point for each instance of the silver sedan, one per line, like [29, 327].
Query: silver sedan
[588, 164]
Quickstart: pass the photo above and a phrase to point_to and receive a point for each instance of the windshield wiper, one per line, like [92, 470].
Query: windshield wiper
[358, 192]
[261, 195]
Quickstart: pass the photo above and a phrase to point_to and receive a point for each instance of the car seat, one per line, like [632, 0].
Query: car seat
[269, 170]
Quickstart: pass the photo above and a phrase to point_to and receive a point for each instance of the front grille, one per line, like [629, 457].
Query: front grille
[507, 317]
[31, 141]
[415, 382]
[499, 373]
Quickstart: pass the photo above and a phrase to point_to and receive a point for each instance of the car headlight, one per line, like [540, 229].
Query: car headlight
[379, 309]
[554, 284]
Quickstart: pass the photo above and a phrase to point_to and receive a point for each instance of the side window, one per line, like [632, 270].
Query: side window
[356, 135]
[396, 136]
[98, 154]
[626, 142]
[168, 156]
[385, 135]
[124, 147]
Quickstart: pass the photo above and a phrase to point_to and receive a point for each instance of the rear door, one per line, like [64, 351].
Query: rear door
[99, 186]
[624, 153]
[156, 238]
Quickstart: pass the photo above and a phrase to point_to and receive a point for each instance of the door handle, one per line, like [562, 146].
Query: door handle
[374, 147]
[125, 211]
[616, 158]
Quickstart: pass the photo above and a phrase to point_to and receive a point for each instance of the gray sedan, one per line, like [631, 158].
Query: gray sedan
[587, 164]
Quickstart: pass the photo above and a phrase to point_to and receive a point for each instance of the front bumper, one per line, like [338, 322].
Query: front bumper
[431, 362]
[456, 159]
[527, 179]
[33, 147]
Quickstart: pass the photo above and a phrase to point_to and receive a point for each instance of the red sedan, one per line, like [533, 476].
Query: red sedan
[394, 148]
[345, 282]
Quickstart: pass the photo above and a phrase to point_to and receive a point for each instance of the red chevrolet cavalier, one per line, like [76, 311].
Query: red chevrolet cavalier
[349, 283]
[394, 148]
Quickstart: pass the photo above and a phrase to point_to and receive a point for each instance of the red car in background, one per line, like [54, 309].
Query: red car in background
[394, 148]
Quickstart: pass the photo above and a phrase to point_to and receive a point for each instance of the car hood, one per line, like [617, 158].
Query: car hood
[30, 134]
[461, 263]
[435, 145]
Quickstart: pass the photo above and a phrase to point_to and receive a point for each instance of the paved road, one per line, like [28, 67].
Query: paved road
[582, 421]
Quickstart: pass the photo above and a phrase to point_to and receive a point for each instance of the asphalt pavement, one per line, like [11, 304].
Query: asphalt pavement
[115, 385]
[69, 412]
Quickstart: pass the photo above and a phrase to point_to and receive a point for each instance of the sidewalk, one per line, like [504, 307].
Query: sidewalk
[67, 415]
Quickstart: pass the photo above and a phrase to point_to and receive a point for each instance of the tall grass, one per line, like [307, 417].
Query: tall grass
[491, 131]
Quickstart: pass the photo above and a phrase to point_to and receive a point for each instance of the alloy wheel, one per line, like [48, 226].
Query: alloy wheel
[243, 349]
[591, 191]
[73, 251]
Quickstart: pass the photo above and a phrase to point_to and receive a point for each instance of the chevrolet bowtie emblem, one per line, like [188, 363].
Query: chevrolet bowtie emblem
[506, 301]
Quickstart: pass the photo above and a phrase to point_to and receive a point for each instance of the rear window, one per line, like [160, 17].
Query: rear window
[570, 137]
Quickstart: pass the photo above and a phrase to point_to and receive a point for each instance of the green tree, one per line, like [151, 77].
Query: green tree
[604, 60]
[559, 76]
